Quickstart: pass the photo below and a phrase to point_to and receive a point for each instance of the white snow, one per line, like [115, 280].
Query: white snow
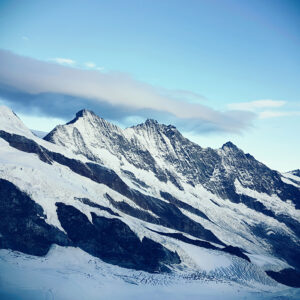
[71, 274]
[289, 181]
[11, 123]
[273, 202]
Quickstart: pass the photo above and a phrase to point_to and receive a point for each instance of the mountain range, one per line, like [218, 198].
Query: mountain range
[147, 204]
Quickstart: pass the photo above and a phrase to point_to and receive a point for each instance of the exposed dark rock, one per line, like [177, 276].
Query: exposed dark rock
[169, 216]
[173, 180]
[135, 180]
[23, 229]
[289, 277]
[22, 143]
[283, 246]
[114, 242]
[230, 145]
[214, 202]
[216, 170]
[81, 114]
[256, 205]
[181, 237]
[293, 224]
[172, 216]
[183, 205]
[92, 204]
[134, 212]
[22, 224]
[236, 251]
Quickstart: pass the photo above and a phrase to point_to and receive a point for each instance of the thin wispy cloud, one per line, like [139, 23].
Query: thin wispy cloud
[63, 61]
[45, 85]
[257, 104]
[184, 94]
[276, 114]
[73, 63]
[25, 38]
[267, 109]
[90, 65]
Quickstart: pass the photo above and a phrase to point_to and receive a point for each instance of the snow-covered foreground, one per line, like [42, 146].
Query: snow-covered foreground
[70, 274]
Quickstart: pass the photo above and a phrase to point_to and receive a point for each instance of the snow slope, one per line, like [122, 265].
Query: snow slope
[71, 274]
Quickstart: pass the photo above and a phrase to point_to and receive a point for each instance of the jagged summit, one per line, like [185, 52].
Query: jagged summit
[10, 122]
[159, 128]
[151, 122]
[83, 113]
[166, 153]
[229, 145]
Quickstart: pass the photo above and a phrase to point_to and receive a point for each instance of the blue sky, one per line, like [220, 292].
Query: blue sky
[219, 70]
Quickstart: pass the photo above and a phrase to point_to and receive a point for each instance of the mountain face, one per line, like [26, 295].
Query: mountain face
[171, 157]
[146, 198]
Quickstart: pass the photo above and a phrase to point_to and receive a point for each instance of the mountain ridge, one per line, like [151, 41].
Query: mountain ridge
[180, 197]
[153, 138]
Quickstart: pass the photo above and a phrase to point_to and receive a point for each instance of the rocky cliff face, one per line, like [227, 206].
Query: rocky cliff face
[171, 157]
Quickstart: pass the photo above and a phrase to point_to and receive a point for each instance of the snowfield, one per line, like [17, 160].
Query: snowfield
[71, 274]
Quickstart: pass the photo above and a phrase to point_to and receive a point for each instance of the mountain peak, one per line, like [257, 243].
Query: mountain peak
[82, 114]
[230, 145]
[5, 109]
[151, 122]
[10, 122]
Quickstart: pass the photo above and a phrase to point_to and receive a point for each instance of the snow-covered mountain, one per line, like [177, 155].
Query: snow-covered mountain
[148, 200]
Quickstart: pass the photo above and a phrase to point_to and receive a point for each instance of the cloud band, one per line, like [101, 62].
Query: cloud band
[47, 87]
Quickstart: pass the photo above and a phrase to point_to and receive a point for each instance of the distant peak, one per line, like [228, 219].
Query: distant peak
[81, 114]
[156, 123]
[6, 110]
[153, 124]
[230, 145]
[171, 127]
[151, 121]
[10, 122]
[84, 112]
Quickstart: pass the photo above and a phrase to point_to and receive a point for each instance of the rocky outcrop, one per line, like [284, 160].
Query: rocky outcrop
[22, 223]
[289, 277]
[23, 228]
[114, 242]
